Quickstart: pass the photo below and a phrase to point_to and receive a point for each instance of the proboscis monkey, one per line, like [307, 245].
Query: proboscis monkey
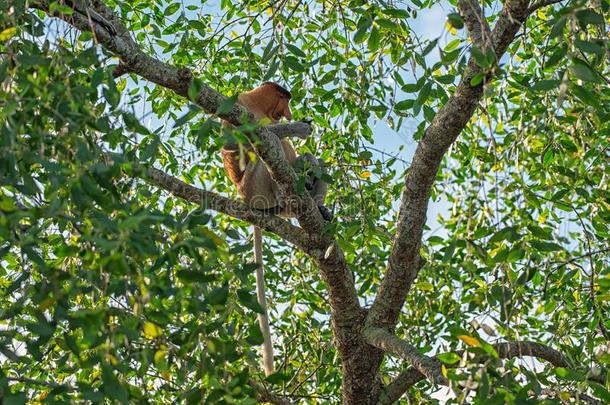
[259, 190]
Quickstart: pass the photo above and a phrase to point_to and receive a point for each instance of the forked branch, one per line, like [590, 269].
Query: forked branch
[451, 119]
[505, 350]
[180, 80]
[387, 341]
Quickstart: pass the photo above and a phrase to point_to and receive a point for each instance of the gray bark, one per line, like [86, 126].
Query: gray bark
[362, 337]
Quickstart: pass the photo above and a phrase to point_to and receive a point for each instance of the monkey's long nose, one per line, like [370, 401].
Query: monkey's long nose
[288, 114]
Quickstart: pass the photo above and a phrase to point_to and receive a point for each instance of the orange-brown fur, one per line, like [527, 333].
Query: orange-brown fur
[266, 101]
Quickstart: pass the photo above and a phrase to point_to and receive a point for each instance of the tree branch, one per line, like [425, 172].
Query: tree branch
[216, 202]
[428, 366]
[403, 263]
[542, 3]
[477, 26]
[346, 314]
[264, 395]
[134, 60]
[236, 209]
[506, 350]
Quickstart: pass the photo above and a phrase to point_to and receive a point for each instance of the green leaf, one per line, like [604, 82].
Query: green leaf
[542, 246]
[567, 374]
[477, 79]
[600, 391]
[423, 95]
[374, 40]
[226, 105]
[455, 20]
[192, 276]
[294, 64]
[218, 296]
[171, 9]
[395, 12]
[112, 387]
[361, 34]
[480, 58]
[589, 47]
[430, 47]
[249, 300]
[295, 50]
[545, 85]
[388, 24]
[193, 111]
[448, 358]
[255, 336]
[404, 105]
[582, 71]
[589, 16]
[558, 27]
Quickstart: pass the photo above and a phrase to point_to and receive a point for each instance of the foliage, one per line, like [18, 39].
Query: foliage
[111, 289]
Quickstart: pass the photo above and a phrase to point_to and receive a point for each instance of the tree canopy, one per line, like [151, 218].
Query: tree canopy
[468, 258]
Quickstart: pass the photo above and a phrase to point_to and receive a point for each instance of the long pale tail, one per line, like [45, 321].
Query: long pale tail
[263, 319]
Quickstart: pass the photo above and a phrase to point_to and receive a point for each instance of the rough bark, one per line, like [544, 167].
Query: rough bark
[388, 342]
[505, 350]
[403, 264]
[347, 315]
[361, 337]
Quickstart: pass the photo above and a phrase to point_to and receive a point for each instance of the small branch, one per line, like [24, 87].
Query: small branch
[403, 381]
[509, 350]
[264, 395]
[477, 26]
[428, 366]
[505, 350]
[49, 384]
[576, 395]
[542, 3]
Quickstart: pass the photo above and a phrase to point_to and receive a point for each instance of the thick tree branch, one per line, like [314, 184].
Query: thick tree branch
[387, 341]
[505, 350]
[236, 209]
[134, 60]
[291, 130]
[474, 17]
[346, 313]
[216, 202]
[403, 264]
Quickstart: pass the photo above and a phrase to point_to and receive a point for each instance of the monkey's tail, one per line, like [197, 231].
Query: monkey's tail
[263, 319]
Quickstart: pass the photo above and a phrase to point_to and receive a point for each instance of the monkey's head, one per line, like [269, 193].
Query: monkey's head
[269, 100]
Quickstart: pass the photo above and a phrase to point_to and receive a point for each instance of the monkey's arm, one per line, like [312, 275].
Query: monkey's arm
[298, 129]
